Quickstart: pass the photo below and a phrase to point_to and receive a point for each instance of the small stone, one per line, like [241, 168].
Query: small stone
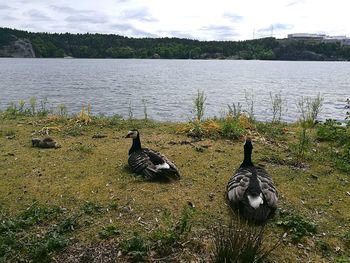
[211, 196]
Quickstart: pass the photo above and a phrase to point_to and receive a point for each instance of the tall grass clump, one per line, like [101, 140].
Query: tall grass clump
[84, 116]
[347, 113]
[250, 100]
[44, 111]
[130, 113]
[276, 102]
[240, 243]
[145, 114]
[309, 110]
[32, 102]
[198, 112]
[62, 110]
[235, 110]
[199, 106]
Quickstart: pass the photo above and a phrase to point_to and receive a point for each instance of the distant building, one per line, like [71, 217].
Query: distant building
[343, 40]
[306, 36]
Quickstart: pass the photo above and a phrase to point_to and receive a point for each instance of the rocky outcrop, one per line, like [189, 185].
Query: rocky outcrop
[20, 48]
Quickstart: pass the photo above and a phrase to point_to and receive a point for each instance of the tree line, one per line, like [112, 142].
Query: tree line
[88, 45]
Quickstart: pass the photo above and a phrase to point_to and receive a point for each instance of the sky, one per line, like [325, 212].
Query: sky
[194, 19]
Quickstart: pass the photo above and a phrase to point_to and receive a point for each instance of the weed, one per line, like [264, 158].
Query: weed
[32, 102]
[347, 113]
[230, 128]
[324, 247]
[84, 148]
[62, 110]
[90, 208]
[272, 131]
[21, 106]
[41, 249]
[68, 224]
[108, 232]
[145, 109]
[199, 105]
[343, 259]
[332, 131]
[172, 232]
[240, 243]
[73, 131]
[346, 239]
[309, 109]
[235, 110]
[130, 113]
[43, 110]
[84, 116]
[276, 101]
[137, 247]
[297, 226]
[250, 100]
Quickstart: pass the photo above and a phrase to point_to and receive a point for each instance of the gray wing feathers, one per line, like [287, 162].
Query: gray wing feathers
[141, 162]
[267, 187]
[238, 184]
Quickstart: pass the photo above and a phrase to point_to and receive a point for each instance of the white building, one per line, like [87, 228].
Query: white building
[343, 40]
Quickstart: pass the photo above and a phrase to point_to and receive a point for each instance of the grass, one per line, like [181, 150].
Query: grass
[241, 243]
[86, 198]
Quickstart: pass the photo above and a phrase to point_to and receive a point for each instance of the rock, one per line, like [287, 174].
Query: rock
[20, 48]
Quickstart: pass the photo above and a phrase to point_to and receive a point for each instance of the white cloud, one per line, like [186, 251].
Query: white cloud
[205, 20]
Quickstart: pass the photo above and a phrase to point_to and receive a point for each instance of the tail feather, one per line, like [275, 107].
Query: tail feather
[258, 215]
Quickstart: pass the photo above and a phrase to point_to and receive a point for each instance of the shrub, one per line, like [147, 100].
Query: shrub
[230, 128]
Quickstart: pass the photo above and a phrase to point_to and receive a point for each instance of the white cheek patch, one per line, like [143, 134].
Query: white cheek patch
[163, 166]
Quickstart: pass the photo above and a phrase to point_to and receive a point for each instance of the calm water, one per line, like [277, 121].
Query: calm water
[169, 86]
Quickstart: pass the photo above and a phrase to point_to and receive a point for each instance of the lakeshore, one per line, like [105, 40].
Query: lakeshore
[81, 202]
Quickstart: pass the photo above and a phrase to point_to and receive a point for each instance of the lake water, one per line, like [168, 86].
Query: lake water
[168, 87]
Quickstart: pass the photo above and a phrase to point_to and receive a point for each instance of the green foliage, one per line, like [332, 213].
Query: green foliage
[272, 131]
[240, 243]
[19, 239]
[115, 46]
[235, 111]
[347, 113]
[250, 100]
[332, 131]
[199, 103]
[297, 226]
[231, 129]
[174, 231]
[276, 101]
[343, 259]
[108, 231]
[90, 208]
[137, 247]
[339, 138]
[309, 109]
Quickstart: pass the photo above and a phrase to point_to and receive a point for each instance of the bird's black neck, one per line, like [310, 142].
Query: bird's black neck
[247, 161]
[136, 144]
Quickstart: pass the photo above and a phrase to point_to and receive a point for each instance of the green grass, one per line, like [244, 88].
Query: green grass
[86, 198]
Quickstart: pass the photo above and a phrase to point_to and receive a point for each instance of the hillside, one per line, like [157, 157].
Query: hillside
[49, 45]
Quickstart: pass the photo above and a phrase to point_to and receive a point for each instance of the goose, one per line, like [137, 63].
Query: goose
[47, 142]
[252, 190]
[148, 163]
